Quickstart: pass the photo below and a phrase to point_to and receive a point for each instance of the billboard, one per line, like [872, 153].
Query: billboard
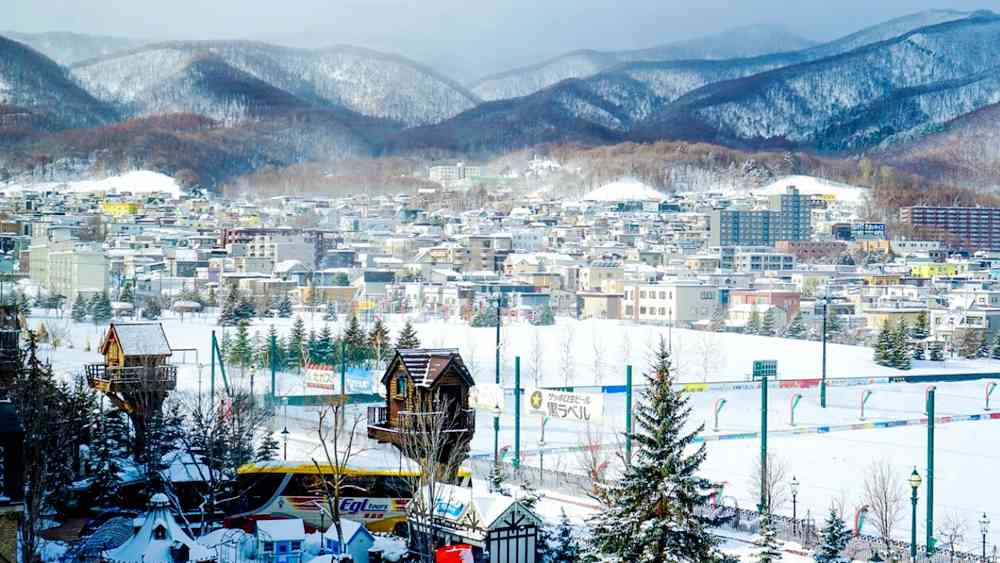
[576, 407]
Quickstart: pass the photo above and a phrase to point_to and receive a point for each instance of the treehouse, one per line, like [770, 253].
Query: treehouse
[427, 403]
[135, 374]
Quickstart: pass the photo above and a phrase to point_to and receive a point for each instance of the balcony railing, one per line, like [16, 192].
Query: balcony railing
[104, 377]
[464, 420]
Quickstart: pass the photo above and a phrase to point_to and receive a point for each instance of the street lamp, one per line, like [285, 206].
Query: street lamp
[822, 384]
[915, 481]
[984, 527]
[794, 486]
[284, 438]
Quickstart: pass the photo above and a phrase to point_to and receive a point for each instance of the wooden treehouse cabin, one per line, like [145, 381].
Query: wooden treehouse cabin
[10, 349]
[427, 404]
[135, 374]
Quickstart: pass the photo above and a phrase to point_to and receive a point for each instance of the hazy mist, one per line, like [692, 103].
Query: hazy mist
[463, 36]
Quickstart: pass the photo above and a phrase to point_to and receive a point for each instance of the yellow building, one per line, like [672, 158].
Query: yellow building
[877, 318]
[117, 208]
[933, 270]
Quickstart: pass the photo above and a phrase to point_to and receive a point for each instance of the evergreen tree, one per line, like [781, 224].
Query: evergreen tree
[151, 309]
[650, 514]
[918, 349]
[226, 343]
[984, 346]
[378, 340]
[355, 340]
[245, 309]
[883, 347]
[767, 326]
[23, 304]
[268, 448]
[834, 537]
[265, 349]
[408, 338]
[921, 328]
[834, 327]
[936, 351]
[484, 317]
[797, 328]
[767, 547]
[901, 347]
[562, 546]
[109, 449]
[100, 309]
[312, 350]
[325, 347]
[126, 294]
[228, 316]
[329, 312]
[296, 342]
[240, 352]
[754, 323]
[969, 344]
[285, 307]
[543, 316]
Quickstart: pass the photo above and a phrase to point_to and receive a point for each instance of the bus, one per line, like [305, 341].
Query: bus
[374, 493]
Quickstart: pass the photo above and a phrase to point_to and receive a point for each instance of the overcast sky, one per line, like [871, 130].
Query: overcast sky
[491, 31]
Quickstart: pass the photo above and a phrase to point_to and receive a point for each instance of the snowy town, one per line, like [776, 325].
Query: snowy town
[512, 376]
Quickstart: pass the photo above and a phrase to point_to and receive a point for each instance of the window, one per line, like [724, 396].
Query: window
[401, 385]
[296, 546]
[160, 533]
[268, 546]
[283, 547]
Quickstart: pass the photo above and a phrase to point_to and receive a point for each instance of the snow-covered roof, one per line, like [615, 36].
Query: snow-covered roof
[626, 189]
[290, 529]
[350, 528]
[425, 365]
[810, 185]
[470, 508]
[155, 539]
[139, 339]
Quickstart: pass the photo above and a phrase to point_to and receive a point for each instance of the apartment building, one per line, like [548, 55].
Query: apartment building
[972, 228]
[669, 303]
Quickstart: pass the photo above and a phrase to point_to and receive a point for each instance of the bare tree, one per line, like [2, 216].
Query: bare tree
[433, 447]
[566, 355]
[885, 497]
[471, 358]
[598, 346]
[593, 460]
[708, 353]
[337, 438]
[952, 531]
[535, 356]
[775, 481]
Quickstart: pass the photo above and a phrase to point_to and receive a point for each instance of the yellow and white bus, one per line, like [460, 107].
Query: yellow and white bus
[374, 492]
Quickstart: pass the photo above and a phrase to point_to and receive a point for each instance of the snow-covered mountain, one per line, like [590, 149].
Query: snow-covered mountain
[67, 48]
[746, 41]
[196, 76]
[837, 96]
[37, 93]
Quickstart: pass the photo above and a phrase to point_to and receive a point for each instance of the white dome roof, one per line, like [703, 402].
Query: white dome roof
[626, 189]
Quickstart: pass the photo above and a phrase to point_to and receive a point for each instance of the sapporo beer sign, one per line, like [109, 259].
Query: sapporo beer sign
[577, 407]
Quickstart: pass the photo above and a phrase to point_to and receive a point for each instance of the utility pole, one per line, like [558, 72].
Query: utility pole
[274, 369]
[930, 470]
[762, 507]
[628, 415]
[517, 413]
[496, 417]
[822, 383]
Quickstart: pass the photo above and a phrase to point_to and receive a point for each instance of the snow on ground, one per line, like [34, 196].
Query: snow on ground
[810, 185]
[829, 465]
[626, 189]
[136, 181]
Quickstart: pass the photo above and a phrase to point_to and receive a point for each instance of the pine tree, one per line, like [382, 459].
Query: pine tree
[767, 547]
[228, 316]
[312, 350]
[329, 312]
[834, 537]
[268, 448]
[834, 327]
[296, 341]
[23, 304]
[754, 323]
[408, 338]
[100, 309]
[151, 309]
[109, 449]
[484, 317]
[984, 346]
[562, 546]
[901, 347]
[240, 352]
[126, 294]
[797, 328]
[355, 340]
[937, 351]
[245, 309]
[883, 347]
[285, 308]
[543, 316]
[650, 514]
[325, 346]
[265, 349]
[918, 349]
[768, 325]
[921, 328]
[969, 346]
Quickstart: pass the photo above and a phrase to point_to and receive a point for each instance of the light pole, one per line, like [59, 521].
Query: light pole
[284, 438]
[984, 527]
[794, 486]
[915, 481]
[822, 383]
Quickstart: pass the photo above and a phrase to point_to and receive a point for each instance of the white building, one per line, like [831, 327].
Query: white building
[673, 303]
[77, 269]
